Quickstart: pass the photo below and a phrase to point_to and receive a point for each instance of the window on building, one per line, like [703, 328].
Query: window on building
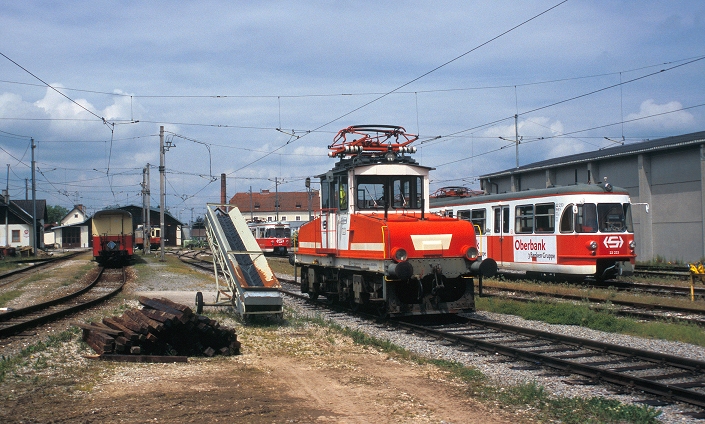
[298, 217]
[15, 236]
[283, 218]
[298, 205]
[256, 205]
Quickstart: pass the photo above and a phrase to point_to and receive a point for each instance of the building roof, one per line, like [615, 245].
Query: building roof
[612, 152]
[264, 201]
[27, 206]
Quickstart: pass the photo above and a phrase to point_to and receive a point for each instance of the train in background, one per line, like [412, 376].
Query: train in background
[567, 232]
[272, 237]
[113, 237]
[154, 237]
[375, 243]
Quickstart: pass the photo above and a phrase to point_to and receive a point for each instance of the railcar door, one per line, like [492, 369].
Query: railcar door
[501, 242]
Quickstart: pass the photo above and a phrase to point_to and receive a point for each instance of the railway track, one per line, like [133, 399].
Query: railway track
[669, 378]
[14, 275]
[106, 284]
[646, 311]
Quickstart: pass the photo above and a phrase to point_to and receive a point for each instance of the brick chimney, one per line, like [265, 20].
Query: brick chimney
[223, 197]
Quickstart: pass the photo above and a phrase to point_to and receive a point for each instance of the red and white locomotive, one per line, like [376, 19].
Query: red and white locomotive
[375, 242]
[112, 237]
[576, 231]
[272, 237]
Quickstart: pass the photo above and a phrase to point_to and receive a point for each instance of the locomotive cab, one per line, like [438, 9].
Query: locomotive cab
[375, 242]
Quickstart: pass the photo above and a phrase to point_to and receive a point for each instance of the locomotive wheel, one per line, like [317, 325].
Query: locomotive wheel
[354, 306]
[313, 295]
[331, 298]
[199, 303]
[382, 310]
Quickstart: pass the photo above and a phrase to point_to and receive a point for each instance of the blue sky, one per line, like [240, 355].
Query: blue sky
[223, 77]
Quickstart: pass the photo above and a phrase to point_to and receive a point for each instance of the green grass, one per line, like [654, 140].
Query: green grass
[529, 396]
[581, 314]
[8, 364]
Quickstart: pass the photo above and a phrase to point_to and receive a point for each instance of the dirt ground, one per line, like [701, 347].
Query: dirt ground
[298, 372]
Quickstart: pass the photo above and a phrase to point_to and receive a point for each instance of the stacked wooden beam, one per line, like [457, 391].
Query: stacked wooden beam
[160, 328]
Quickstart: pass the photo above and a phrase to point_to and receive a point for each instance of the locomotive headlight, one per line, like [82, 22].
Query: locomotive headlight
[471, 253]
[399, 254]
[632, 245]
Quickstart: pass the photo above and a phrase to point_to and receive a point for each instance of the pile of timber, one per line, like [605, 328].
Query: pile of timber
[160, 328]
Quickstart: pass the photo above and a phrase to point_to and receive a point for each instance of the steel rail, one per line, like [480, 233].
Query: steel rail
[680, 309]
[38, 264]
[667, 391]
[8, 328]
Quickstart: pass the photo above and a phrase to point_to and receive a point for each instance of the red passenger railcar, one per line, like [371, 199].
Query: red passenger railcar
[272, 237]
[375, 243]
[576, 231]
[113, 237]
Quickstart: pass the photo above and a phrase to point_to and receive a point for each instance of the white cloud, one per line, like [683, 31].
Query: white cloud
[653, 115]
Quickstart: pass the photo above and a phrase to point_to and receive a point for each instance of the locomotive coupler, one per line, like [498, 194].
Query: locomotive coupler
[437, 279]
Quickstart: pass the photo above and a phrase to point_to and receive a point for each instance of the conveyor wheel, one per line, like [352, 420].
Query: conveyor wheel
[199, 302]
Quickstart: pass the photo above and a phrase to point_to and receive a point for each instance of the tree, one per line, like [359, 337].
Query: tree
[55, 213]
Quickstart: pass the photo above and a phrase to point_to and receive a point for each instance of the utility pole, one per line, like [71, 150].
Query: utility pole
[516, 136]
[146, 230]
[6, 199]
[162, 191]
[26, 188]
[34, 204]
[276, 197]
[148, 223]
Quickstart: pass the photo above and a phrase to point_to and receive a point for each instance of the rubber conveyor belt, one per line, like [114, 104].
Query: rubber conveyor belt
[252, 277]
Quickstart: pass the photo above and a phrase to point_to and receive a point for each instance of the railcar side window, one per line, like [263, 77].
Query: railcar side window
[611, 217]
[465, 215]
[628, 217]
[477, 216]
[545, 218]
[524, 219]
[586, 218]
[567, 219]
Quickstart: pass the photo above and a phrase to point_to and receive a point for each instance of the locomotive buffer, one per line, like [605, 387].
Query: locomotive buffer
[252, 288]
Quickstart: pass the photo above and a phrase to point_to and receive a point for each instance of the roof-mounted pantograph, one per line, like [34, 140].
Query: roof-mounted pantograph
[373, 140]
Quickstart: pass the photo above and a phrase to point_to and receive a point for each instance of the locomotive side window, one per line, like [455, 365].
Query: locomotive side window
[611, 217]
[586, 218]
[524, 221]
[545, 218]
[343, 193]
[567, 219]
[465, 215]
[325, 194]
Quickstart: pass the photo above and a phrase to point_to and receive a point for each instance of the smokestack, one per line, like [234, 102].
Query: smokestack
[223, 197]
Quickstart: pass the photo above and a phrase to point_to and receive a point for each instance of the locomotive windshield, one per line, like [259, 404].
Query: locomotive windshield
[396, 192]
[602, 217]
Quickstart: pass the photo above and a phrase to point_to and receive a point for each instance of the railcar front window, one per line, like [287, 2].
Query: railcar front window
[586, 218]
[611, 217]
